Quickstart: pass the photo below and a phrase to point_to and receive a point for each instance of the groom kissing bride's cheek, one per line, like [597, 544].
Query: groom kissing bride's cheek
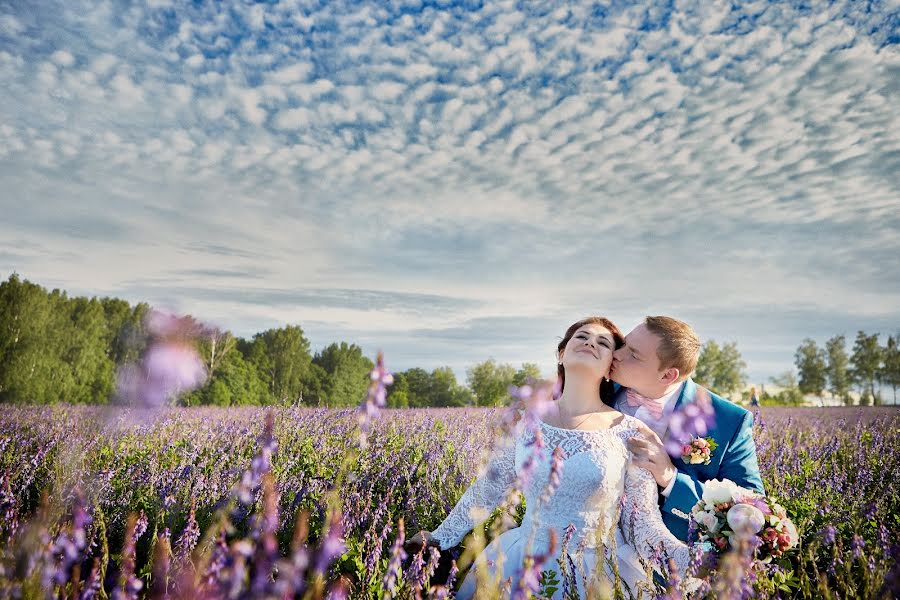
[589, 470]
[652, 370]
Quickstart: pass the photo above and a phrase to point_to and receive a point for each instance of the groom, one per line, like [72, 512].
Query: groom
[653, 369]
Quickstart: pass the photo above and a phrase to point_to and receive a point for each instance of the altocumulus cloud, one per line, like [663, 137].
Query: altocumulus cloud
[455, 180]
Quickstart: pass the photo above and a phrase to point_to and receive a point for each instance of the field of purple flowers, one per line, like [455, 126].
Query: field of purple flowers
[210, 503]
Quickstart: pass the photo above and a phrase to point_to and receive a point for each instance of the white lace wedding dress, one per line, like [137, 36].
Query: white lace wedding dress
[598, 484]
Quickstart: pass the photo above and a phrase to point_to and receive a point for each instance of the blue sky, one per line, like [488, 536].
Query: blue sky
[453, 181]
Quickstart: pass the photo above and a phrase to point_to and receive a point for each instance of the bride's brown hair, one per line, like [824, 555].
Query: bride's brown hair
[607, 388]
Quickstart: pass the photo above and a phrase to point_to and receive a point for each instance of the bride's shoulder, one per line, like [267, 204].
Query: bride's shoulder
[629, 426]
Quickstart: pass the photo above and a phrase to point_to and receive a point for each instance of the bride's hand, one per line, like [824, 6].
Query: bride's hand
[423, 538]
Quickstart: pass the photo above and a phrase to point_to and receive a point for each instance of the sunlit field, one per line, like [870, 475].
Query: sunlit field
[99, 502]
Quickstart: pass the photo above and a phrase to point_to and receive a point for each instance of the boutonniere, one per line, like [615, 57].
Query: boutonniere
[698, 451]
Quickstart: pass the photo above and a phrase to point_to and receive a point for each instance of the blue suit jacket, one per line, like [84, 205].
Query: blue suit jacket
[734, 459]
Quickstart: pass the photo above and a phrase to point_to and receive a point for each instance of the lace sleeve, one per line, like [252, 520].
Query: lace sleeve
[642, 524]
[481, 498]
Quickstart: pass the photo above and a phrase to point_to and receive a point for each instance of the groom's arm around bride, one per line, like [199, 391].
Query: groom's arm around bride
[652, 368]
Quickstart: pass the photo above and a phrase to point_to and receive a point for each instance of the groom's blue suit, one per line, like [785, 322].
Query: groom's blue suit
[734, 459]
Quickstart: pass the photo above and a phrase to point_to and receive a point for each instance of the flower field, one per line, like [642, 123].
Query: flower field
[98, 502]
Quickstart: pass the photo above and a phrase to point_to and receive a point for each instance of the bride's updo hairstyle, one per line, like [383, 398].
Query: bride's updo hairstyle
[607, 387]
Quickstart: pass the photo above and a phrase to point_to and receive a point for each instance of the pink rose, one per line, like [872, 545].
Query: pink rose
[686, 450]
[701, 443]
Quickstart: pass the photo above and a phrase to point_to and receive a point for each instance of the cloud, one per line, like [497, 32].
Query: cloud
[698, 158]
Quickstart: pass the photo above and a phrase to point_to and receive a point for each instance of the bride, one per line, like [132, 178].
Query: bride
[600, 500]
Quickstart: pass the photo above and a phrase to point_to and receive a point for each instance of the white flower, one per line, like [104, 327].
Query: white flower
[744, 517]
[696, 459]
[708, 520]
[791, 530]
[717, 492]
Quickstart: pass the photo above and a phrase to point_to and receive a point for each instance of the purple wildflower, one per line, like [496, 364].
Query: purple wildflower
[332, 546]
[9, 522]
[189, 537]
[529, 575]
[692, 420]
[828, 534]
[376, 398]
[91, 589]
[129, 584]
[556, 466]
[397, 556]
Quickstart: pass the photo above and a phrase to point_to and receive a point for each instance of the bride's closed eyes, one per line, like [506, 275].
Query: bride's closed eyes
[603, 341]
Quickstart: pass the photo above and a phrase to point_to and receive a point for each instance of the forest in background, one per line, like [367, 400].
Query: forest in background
[60, 349]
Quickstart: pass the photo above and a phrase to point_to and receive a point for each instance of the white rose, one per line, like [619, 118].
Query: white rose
[791, 530]
[708, 520]
[717, 492]
[743, 517]
[696, 459]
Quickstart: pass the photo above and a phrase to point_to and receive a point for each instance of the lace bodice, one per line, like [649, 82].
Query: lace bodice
[597, 487]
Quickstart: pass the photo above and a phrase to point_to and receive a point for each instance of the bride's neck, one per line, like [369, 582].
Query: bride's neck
[580, 395]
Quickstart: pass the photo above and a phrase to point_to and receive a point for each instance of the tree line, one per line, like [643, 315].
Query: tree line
[56, 348]
[830, 367]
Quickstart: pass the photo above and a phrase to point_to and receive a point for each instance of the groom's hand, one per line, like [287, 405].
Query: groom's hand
[650, 453]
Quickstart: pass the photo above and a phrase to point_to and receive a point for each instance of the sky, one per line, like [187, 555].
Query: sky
[457, 181]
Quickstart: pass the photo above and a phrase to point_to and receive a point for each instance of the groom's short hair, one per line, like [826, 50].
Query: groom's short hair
[679, 345]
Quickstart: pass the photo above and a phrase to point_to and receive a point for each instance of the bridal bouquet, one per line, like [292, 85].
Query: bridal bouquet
[727, 509]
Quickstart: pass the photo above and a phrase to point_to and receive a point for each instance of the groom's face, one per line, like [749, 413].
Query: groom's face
[636, 364]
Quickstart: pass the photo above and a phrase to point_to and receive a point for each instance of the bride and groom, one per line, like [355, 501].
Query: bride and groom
[601, 447]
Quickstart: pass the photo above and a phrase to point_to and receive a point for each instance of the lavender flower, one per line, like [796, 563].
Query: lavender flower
[556, 466]
[376, 398]
[9, 522]
[692, 420]
[828, 534]
[332, 545]
[189, 537]
[397, 556]
[129, 584]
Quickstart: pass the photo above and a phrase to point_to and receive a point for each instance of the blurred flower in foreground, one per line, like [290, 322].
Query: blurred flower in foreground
[169, 367]
[693, 420]
[376, 398]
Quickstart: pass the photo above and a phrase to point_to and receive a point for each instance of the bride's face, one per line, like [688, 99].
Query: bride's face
[589, 350]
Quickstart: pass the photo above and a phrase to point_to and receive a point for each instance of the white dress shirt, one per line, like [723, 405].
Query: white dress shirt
[659, 426]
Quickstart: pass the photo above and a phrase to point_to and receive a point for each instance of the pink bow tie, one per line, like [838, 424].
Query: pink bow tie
[653, 405]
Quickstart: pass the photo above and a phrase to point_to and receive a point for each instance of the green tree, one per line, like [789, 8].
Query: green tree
[490, 382]
[890, 370]
[126, 335]
[838, 368]
[84, 346]
[789, 395]
[720, 368]
[314, 387]
[30, 368]
[811, 362]
[527, 372]
[398, 392]
[213, 345]
[348, 373]
[866, 361]
[418, 385]
[443, 384]
[236, 382]
[282, 358]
